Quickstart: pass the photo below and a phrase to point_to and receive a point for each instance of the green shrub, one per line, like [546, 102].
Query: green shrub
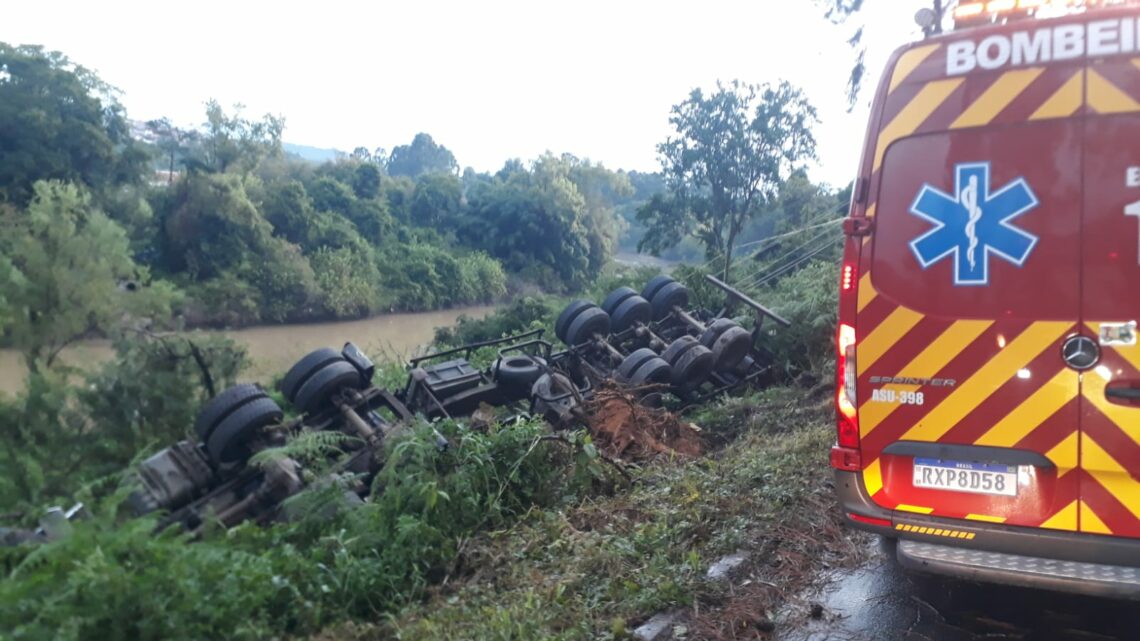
[526, 313]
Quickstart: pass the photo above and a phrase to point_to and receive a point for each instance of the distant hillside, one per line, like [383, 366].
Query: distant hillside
[313, 154]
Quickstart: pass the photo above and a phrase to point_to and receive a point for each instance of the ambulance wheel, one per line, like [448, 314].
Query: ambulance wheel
[569, 313]
[615, 298]
[317, 392]
[635, 360]
[228, 443]
[304, 368]
[654, 371]
[654, 284]
[587, 324]
[224, 404]
[629, 313]
[731, 347]
[667, 297]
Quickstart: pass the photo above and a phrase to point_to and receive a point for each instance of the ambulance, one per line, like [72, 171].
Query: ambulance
[988, 384]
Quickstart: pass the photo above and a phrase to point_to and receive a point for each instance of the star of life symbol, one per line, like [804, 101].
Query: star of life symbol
[973, 224]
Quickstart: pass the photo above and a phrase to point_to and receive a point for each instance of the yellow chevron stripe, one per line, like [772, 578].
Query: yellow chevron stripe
[1065, 101]
[1136, 62]
[870, 214]
[983, 383]
[893, 328]
[1130, 353]
[1065, 454]
[987, 519]
[1090, 522]
[866, 293]
[873, 478]
[1107, 98]
[1110, 474]
[1126, 418]
[928, 363]
[1033, 411]
[914, 114]
[997, 97]
[908, 62]
[902, 507]
[1066, 519]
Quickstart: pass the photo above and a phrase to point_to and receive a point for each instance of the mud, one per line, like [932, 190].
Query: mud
[624, 429]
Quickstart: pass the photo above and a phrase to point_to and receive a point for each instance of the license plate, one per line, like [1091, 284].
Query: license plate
[976, 478]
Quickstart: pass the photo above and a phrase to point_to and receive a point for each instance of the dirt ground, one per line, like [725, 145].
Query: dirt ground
[624, 429]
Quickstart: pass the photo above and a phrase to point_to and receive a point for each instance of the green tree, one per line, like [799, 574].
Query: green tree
[366, 181]
[67, 265]
[731, 152]
[422, 156]
[437, 200]
[232, 142]
[59, 121]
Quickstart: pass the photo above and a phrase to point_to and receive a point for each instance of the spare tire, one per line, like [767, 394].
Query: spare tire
[318, 391]
[630, 363]
[227, 444]
[224, 404]
[306, 367]
[518, 373]
[615, 298]
[588, 323]
[569, 313]
[667, 297]
[630, 312]
[654, 284]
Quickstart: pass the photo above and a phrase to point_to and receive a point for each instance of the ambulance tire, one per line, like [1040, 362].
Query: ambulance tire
[224, 404]
[227, 444]
[635, 360]
[667, 297]
[629, 313]
[304, 368]
[616, 298]
[587, 324]
[317, 392]
[731, 347]
[569, 313]
[654, 284]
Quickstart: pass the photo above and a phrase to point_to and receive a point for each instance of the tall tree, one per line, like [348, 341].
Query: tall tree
[732, 150]
[59, 121]
[423, 156]
[68, 265]
[233, 142]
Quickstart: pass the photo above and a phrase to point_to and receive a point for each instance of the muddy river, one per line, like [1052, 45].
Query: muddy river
[274, 348]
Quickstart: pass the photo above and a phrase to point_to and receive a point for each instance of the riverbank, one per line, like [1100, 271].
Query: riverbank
[274, 348]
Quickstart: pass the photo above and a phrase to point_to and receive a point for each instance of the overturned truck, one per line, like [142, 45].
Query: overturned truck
[652, 341]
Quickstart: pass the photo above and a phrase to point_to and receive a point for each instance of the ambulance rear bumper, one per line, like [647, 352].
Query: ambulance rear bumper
[1050, 559]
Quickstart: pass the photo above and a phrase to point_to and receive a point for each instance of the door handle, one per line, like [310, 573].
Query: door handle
[1123, 394]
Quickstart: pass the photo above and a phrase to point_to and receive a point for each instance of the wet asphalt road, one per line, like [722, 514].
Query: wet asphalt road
[882, 602]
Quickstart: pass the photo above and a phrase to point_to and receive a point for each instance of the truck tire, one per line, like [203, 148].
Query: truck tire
[569, 313]
[667, 297]
[227, 444]
[318, 391]
[615, 298]
[632, 311]
[731, 347]
[630, 363]
[677, 348]
[654, 284]
[518, 373]
[654, 371]
[693, 367]
[224, 404]
[715, 329]
[586, 325]
[306, 367]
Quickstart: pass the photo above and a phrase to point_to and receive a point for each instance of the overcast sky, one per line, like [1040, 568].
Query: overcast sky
[491, 80]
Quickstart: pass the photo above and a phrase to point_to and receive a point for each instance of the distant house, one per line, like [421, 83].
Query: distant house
[162, 178]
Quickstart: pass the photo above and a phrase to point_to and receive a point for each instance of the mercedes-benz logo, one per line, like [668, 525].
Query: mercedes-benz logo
[1080, 352]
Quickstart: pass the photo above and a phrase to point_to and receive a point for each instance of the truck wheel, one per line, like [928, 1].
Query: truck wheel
[654, 371]
[227, 444]
[677, 348]
[654, 284]
[693, 367]
[731, 347]
[306, 367]
[318, 391]
[569, 313]
[224, 404]
[615, 298]
[715, 329]
[630, 312]
[518, 372]
[586, 325]
[630, 363]
[667, 297]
